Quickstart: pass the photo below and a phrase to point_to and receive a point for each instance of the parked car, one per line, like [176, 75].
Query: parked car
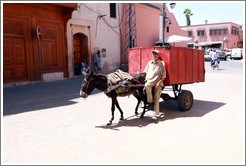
[226, 54]
[206, 55]
[237, 53]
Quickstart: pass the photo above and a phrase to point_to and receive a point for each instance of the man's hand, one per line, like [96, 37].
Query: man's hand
[160, 83]
[143, 74]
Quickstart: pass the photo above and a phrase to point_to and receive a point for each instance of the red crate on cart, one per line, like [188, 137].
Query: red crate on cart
[183, 65]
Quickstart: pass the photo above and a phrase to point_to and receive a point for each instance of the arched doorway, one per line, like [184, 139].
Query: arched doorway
[74, 27]
[81, 52]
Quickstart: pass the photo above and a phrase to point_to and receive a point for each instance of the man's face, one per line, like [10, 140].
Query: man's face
[155, 56]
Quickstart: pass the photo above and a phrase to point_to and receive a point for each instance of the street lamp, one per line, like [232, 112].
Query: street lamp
[172, 5]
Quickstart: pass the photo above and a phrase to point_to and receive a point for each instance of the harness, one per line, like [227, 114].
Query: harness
[121, 82]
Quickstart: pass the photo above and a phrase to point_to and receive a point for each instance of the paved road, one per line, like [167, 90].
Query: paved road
[47, 123]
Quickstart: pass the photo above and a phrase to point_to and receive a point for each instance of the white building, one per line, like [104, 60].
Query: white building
[97, 26]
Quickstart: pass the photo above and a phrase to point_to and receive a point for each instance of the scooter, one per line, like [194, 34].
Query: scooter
[215, 64]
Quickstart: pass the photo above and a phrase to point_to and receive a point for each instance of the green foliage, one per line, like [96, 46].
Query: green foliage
[188, 13]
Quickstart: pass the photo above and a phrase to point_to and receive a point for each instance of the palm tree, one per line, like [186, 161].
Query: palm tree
[187, 13]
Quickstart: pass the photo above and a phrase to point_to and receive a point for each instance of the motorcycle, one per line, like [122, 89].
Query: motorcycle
[215, 64]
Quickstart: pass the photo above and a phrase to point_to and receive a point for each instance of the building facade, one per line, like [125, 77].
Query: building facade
[34, 41]
[47, 41]
[224, 35]
[98, 26]
[142, 26]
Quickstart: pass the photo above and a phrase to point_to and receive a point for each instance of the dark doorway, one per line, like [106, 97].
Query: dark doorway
[81, 53]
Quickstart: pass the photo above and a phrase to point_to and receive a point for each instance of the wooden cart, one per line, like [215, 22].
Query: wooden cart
[183, 66]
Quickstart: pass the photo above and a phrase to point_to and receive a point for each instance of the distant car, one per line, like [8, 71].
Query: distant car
[237, 53]
[227, 54]
[222, 55]
[206, 55]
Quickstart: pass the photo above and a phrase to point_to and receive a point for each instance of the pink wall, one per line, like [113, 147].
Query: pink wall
[147, 22]
[148, 26]
[175, 29]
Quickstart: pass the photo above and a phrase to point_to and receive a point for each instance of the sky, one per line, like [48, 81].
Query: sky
[214, 12]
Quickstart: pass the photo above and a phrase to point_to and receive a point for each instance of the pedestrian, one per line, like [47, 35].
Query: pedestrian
[212, 55]
[97, 61]
[84, 67]
[155, 75]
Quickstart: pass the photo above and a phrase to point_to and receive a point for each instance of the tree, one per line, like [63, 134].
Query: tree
[187, 13]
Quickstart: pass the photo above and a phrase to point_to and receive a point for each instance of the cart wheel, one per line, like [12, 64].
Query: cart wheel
[185, 100]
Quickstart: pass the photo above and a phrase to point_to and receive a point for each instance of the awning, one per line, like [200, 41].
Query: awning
[208, 43]
[174, 39]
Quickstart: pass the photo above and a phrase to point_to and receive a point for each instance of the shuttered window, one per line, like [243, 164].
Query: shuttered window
[112, 10]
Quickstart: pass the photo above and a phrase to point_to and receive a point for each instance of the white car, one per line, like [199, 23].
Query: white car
[227, 54]
[206, 55]
[237, 53]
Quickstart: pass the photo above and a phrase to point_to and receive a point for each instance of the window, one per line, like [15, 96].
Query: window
[221, 30]
[167, 28]
[189, 33]
[112, 9]
[234, 31]
[200, 32]
[225, 32]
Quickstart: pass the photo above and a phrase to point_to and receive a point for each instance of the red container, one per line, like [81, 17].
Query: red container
[183, 65]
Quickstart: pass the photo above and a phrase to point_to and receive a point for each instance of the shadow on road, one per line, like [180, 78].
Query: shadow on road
[169, 111]
[34, 97]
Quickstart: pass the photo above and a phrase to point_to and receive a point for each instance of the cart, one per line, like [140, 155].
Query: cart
[183, 66]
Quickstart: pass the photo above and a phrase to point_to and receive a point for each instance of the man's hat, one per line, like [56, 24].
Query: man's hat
[156, 52]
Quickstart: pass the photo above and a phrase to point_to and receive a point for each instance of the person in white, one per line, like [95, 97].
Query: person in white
[155, 75]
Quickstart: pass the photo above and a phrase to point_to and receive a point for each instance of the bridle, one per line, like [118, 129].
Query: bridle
[85, 86]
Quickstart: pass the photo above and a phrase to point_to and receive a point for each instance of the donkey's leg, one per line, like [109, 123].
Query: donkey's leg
[136, 108]
[142, 115]
[139, 100]
[138, 94]
[112, 110]
[144, 99]
[118, 106]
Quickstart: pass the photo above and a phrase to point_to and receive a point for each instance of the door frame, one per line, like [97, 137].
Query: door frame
[78, 26]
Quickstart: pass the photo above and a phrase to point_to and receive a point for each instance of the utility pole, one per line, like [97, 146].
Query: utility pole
[164, 17]
[164, 23]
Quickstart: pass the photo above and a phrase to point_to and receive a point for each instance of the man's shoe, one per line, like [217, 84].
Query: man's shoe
[150, 106]
[155, 119]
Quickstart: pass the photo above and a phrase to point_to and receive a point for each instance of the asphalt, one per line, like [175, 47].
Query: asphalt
[42, 95]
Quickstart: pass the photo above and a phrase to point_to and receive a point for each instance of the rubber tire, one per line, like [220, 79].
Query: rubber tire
[185, 100]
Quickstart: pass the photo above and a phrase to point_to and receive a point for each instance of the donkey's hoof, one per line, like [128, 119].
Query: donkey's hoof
[141, 117]
[121, 118]
[136, 113]
[109, 123]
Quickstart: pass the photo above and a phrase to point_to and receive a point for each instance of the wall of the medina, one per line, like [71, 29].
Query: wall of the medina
[104, 32]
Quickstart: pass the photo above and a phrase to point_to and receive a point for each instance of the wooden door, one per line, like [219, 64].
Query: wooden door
[25, 58]
[15, 48]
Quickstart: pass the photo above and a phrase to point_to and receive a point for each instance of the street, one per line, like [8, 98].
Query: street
[48, 123]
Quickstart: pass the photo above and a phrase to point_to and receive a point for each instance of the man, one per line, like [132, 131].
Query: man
[97, 62]
[155, 75]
